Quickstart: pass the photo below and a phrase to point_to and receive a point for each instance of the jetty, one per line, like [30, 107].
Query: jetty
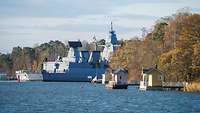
[166, 86]
[173, 85]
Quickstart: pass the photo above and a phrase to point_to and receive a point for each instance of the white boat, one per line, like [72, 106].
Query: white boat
[25, 75]
[96, 80]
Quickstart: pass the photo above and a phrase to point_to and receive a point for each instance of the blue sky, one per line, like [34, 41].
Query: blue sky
[29, 22]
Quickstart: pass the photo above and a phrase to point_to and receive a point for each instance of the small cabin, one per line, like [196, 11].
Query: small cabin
[151, 77]
[120, 76]
[119, 79]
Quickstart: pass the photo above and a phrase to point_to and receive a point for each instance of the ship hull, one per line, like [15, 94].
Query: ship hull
[74, 75]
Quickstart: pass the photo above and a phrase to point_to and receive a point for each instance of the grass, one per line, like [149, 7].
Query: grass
[192, 87]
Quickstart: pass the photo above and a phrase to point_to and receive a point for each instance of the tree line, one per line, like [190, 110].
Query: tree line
[173, 45]
[31, 58]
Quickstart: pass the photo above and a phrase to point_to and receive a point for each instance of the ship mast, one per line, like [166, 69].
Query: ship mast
[111, 27]
[111, 44]
[95, 42]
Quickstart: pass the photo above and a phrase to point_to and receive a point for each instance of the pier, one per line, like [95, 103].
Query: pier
[173, 85]
[178, 86]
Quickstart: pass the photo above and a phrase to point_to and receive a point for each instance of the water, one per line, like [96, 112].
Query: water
[70, 97]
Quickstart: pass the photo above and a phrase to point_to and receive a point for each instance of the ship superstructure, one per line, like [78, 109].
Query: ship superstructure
[81, 66]
[111, 45]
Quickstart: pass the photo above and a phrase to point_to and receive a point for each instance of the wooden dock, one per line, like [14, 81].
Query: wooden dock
[178, 86]
[173, 85]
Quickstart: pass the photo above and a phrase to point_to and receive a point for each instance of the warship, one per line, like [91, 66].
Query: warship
[81, 66]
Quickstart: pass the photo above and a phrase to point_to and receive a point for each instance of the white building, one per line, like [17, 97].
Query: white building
[119, 79]
[27, 75]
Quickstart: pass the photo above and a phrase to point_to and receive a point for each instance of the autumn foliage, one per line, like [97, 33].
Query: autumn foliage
[173, 45]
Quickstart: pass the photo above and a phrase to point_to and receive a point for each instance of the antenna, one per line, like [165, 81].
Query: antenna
[144, 32]
[94, 38]
[95, 42]
[111, 26]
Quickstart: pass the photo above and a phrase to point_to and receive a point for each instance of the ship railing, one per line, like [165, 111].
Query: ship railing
[57, 71]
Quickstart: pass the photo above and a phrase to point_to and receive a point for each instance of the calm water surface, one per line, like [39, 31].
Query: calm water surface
[70, 97]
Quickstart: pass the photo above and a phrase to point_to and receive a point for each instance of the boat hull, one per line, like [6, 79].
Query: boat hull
[74, 75]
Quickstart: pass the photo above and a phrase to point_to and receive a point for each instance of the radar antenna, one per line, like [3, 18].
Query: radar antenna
[111, 26]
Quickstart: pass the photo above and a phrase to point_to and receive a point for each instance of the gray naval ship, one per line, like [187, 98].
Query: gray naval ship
[81, 66]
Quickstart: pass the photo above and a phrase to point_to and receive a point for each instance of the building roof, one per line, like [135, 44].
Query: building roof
[149, 70]
[120, 70]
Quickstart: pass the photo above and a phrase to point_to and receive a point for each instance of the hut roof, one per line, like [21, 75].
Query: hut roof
[120, 70]
[149, 70]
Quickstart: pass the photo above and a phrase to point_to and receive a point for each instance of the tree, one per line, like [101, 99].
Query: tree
[180, 62]
[196, 60]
